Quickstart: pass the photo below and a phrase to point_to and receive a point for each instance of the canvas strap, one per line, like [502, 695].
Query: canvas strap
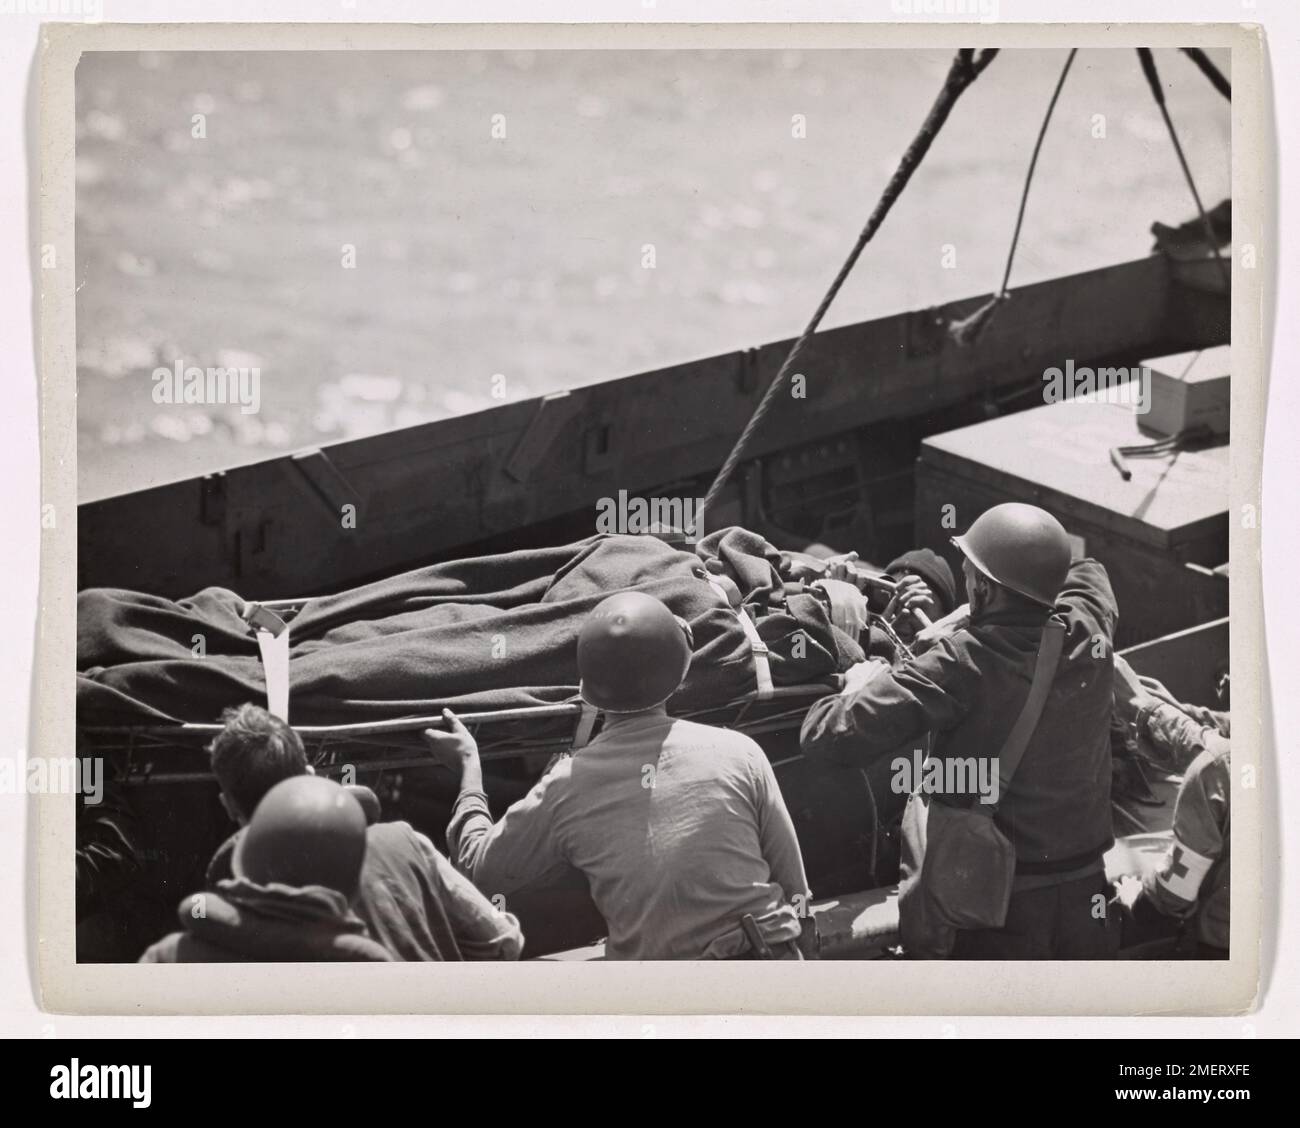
[1049, 656]
[847, 605]
[273, 646]
[757, 647]
[586, 724]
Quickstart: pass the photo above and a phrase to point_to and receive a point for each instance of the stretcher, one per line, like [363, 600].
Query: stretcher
[149, 753]
[844, 584]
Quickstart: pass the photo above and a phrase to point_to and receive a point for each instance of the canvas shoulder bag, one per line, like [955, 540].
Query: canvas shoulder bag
[957, 866]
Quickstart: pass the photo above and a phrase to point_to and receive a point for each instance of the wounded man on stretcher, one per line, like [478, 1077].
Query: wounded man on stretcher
[493, 632]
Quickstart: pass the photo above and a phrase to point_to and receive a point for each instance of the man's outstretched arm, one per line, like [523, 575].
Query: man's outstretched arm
[498, 857]
[881, 709]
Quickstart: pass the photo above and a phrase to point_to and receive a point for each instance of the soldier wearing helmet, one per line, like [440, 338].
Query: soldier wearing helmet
[965, 693]
[296, 871]
[679, 828]
[411, 898]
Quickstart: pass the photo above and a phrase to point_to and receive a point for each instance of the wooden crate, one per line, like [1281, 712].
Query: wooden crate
[1159, 535]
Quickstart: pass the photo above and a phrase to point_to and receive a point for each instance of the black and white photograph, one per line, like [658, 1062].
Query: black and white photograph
[641, 503]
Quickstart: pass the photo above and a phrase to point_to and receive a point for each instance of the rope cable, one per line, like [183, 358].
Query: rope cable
[1033, 164]
[969, 329]
[965, 68]
[1207, 68]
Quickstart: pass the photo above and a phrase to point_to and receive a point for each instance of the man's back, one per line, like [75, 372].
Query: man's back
[1057, 810]
[243, 922]
[968, 690]
[679, 828]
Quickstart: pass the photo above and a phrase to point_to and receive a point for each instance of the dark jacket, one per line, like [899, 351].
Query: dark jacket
[243, 922]
[414, 902]
[968, 690]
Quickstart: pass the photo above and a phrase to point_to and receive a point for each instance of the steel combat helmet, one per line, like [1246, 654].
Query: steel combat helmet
[1022, 548]
[306, 831]
[633, 653]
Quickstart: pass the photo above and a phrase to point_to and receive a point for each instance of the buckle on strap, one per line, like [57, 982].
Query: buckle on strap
[762, 655]
[264, 619]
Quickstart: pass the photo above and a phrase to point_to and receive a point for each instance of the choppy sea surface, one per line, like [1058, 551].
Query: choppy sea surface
[391, 238]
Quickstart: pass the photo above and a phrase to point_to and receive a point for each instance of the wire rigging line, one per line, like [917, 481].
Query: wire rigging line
[1207, 68]
[1033, 163]
[965, 68]
[968, 330]
[1153, 80]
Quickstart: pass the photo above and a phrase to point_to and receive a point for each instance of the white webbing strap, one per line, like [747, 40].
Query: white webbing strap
[757, 647]
[848, 605]
[586, 723]
[273, 646]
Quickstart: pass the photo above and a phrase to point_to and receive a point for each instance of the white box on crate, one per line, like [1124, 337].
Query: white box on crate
[1188, 389]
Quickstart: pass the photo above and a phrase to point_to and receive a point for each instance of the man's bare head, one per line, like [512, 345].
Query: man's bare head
[253, 752]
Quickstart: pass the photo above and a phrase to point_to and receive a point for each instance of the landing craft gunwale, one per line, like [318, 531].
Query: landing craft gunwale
[450, 487]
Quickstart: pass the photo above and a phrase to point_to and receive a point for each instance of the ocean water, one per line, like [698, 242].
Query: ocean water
[390, 238]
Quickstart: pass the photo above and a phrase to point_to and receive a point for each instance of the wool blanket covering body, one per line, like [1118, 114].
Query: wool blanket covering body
[491, 632]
